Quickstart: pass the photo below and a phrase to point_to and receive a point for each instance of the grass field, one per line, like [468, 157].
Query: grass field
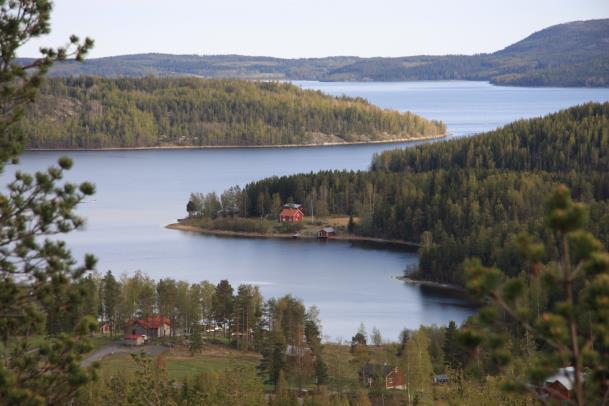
[180, 363]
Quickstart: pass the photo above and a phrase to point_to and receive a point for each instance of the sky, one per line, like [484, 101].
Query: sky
[307, 28]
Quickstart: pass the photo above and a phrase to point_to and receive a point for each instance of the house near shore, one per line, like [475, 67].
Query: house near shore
[151, 327]
[326, 232]
[291, 213]
[387, 376]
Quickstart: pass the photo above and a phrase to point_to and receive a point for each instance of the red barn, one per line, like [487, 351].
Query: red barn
[291, 213]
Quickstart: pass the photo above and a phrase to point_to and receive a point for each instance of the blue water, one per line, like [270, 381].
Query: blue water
[138, 192]
[467, 107]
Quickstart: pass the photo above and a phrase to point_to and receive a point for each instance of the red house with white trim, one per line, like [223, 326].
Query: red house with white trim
[291, 213]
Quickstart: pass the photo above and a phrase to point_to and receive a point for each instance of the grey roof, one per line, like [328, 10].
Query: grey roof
[328, 229]
[292, 205]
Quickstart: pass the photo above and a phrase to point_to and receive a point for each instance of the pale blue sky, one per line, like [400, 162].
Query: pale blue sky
[308, 28]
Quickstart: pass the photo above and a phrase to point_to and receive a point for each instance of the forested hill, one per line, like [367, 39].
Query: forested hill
[571, 54]
[575, 139]
[88, 112]
[469, 197]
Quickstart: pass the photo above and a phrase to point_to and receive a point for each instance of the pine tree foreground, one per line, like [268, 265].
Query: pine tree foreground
[37, 274]
[573, 329]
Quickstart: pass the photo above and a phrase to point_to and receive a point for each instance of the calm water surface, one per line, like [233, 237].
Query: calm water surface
[138, 192]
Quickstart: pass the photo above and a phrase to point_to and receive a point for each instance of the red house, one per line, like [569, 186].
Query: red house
[387, 376]
[152, 327]
[291, 213]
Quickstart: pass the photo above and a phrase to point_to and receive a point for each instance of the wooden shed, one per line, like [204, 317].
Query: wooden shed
[326, 232]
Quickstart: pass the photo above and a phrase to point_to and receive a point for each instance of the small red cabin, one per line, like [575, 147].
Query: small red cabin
[290, 215]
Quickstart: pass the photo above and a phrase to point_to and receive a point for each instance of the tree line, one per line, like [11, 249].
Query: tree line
[90, 112]
[464, 197]
[239, 316]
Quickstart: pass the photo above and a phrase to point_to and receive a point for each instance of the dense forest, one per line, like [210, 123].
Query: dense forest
[465, 197]
[92, 112]
[281, 335]
[571, 54]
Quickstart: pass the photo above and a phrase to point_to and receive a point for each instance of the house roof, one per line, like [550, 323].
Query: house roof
[292, 206]
[153, 322]
[564, 376]
[328, 229]
[289, 212]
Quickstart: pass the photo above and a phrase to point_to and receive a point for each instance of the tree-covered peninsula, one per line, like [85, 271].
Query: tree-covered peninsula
[469, 197]
[92, 112]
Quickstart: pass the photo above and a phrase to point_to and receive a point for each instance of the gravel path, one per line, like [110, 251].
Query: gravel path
[111, 349]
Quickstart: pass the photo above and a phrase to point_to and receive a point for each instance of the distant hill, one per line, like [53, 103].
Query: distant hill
[571, 54]
[89, 112]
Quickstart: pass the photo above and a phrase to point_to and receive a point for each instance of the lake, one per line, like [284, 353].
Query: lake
[138, 192]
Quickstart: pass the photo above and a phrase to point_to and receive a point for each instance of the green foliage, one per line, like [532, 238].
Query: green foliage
[454, 353]
[468, 197]
[39, 278]
[40, 283]
[196, 339]
[235, 385]
[415, 362]
[283, 396]
[20, 22]
[92, 112]
[573, 328]
[222, 304]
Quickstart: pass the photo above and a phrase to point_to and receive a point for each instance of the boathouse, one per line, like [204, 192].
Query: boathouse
[326, 232]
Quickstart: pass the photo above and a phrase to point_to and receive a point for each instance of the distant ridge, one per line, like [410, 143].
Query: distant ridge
[570, 54]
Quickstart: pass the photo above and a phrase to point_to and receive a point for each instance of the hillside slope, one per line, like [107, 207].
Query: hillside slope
[570, 54]
[467, 197]
[90, 112]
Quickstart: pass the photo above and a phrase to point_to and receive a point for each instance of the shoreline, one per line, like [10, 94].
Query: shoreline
[182, 147]
[432, 284]
[247, 234]
[353, 238]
